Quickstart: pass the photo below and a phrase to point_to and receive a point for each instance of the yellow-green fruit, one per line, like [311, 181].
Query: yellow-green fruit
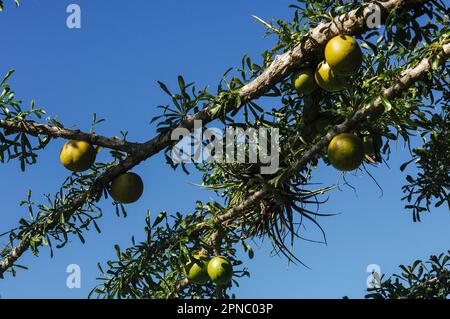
[303, 81]
[343, 55]
[327, 79]
[346, 152]
[77, 156]
[196, 271]
[127, 188]
[220, 270]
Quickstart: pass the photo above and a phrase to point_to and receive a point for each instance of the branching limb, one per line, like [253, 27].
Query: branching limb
[407, 79]
[36, 129]
[351, 23]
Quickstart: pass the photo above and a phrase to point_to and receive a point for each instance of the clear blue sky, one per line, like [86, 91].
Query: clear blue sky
[111, 66]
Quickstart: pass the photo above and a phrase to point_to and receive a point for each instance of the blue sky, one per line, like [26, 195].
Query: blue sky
[110, 67]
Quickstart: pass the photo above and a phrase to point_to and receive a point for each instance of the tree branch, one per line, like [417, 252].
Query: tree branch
[53, 131]
[407, 78]
[352, 23]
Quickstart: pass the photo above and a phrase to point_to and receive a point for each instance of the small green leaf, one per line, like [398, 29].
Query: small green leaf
[387, 104]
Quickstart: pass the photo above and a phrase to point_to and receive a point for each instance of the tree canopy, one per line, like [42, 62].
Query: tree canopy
[401, 90]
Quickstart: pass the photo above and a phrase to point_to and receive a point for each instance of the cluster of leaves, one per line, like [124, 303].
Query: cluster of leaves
[383, 64]
[154, 267]
[433, 179]
[384, 61]
[430, 279]
[281, 216]
[70, 211]
[307, 15]
[18, 145]
[189, 101]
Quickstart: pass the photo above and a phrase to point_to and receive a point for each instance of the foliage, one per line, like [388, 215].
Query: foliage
[433, 179]
[18, 145]
[430, 279]
[57, 209]
[153, 268]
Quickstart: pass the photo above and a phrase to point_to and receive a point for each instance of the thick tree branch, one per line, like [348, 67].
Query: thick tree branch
[53, 131]
[352, 23]
[407, 79]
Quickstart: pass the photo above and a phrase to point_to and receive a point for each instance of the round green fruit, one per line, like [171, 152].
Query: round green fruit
[127, 188]
[303, 81]
[77, 156]
[327, 79]
[196, 271]
[343, 55]
[220, 270]
[346, 152]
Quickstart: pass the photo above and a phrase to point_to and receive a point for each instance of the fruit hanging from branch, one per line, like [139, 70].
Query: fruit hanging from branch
[346, 152]
[303, 81]
[406, 67]
[327, 79]
[196, 270]
[77, 156]
[220, 270]
[127, 188]
[343, 55]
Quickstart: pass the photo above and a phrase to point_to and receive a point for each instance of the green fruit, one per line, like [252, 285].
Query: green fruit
[343, 55]
[196, 270]
[327, 79]
[127, 188]
[77, 156]
[303, 81]
[346, 152]
[220, 270]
